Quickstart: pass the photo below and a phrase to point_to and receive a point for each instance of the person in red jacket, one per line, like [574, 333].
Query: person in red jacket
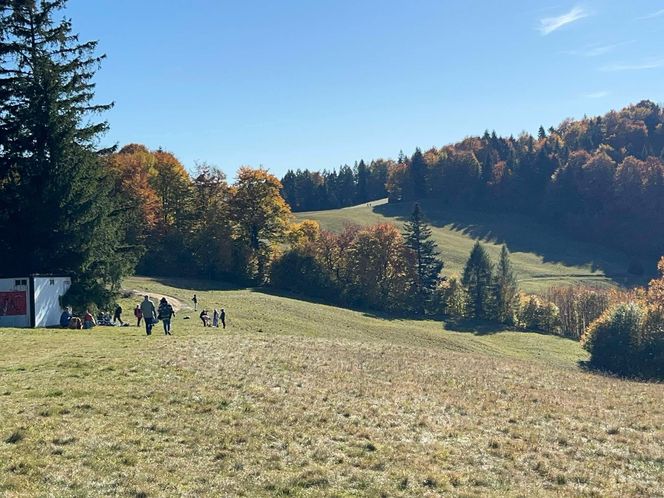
[138, 314]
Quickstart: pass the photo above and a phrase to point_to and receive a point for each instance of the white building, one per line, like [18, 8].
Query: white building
[32, 301]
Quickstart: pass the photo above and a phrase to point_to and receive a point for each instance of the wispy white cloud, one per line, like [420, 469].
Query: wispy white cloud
[652, 15]
[597, 95]
[550, 24]
[596, 50]
[635, 66]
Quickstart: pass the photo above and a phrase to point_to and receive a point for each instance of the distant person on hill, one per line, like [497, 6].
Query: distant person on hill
[215, 318]
[66, 317]
[149, 314]
[165, 314]
[195, 301]
[222, 317]
[88, 320]
[205, 318]
[138, 314]
[117, 315]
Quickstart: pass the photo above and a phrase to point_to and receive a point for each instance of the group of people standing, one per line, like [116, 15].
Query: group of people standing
[218, 316]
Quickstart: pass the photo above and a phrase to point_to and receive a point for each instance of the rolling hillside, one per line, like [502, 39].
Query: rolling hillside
[302, 399]
[541, 255]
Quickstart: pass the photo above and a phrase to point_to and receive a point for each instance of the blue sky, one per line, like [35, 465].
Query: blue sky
[319, 83]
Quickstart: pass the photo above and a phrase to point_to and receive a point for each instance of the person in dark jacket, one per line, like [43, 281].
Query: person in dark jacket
[165, 314]
[65, 318]
[222, 317]
[117, 315]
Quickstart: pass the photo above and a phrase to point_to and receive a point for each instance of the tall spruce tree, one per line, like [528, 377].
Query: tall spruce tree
[417, 237]
[506, 288]
[57, 215]
[418, 173]
[478, 281]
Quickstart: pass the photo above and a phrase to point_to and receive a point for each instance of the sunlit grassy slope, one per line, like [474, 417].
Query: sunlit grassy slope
[541, 255]
[304, 399]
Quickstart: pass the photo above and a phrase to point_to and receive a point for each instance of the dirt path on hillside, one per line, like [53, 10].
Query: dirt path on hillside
[176, 303]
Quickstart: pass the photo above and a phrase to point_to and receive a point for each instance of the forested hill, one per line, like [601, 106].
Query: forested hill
[600, 178]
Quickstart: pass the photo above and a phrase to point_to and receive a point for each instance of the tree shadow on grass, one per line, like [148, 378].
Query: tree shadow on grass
[200, 285]
[367, 312]
[587, 366]
[476, 327]
[520, 233]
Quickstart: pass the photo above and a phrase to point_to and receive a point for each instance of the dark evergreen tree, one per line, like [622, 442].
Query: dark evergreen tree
[362, 174]
[289, 190]
[541, 133]
[57, 212]
[478, 281]
[506, 288]
[418, 174]
[417, 237]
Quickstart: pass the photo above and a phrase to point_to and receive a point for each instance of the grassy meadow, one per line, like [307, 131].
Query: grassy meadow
[302, 399]
[542, 256]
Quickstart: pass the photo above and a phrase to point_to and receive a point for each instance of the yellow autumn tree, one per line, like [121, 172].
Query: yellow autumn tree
[260, 215]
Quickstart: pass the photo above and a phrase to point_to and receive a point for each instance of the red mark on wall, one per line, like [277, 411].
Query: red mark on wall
[13, 303]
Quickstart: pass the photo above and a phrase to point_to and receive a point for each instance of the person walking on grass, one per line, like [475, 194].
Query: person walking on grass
[222, 317]
[195, 301]
[215, 318]
[149, 314]
[117, 315]
[138, 314]
[165, 314]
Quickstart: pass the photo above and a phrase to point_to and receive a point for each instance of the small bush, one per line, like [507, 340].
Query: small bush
[451, 299]
[628, 339]
[535, 313]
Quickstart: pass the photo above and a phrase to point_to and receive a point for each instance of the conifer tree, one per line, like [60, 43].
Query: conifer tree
[57, 214]
[506, 288]
[418, 172]
[478, 281]
[417, 237]
[362, 173]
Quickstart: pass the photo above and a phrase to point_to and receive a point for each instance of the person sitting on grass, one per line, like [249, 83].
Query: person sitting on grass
[88, 320]
[66, 317]
[165, 314]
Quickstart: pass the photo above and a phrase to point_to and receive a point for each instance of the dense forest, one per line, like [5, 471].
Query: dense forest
[314, 191]
[600, 178]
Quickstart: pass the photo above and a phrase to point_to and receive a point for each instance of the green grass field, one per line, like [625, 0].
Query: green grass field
[542, 256]
[304, 399]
